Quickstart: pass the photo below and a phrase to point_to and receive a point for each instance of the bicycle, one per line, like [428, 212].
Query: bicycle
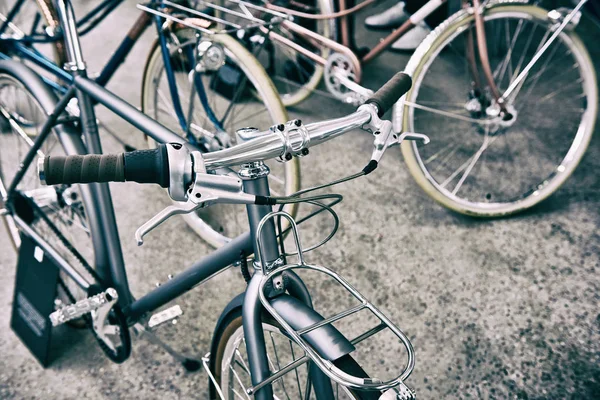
[200, 104]
[516, 135]
[110, 309]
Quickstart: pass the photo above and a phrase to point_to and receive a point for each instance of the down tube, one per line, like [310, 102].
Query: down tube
[214, 262]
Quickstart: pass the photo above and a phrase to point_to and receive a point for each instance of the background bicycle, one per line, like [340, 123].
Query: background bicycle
[510, 73]
[200, 105]
[491, 281]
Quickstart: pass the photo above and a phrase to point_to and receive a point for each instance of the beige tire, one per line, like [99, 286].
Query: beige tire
[419, 65]
[286, 177]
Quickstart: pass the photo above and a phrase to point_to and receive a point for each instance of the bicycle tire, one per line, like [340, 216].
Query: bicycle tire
[231, 331]
[418, 66]
[261, 82]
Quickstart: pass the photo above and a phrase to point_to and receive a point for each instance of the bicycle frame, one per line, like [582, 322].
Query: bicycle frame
[357, 63]
[109, 261]
[23, 47]
[344, 46]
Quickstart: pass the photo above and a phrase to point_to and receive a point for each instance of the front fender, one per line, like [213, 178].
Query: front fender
[327, 340]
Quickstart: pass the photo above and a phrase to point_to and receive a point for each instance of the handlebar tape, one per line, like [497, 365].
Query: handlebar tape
[389, 93]
[142, 166]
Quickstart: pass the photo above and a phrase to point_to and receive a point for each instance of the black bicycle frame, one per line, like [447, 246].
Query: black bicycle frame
[101, 218]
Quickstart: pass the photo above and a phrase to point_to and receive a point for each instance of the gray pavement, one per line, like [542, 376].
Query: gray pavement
[495, 309]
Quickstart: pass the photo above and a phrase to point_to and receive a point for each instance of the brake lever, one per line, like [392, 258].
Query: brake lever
[386, 138]
[206, 189]
[178, 208]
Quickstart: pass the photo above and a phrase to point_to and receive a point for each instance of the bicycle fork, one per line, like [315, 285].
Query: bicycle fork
[255, 182]
[480, 37]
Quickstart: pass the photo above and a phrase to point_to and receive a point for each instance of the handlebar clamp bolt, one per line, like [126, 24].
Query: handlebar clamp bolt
[281, 127]
[298, 122]
[288, 156]
[305, 152]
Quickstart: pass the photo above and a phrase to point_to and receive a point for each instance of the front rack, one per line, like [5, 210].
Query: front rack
[237, 15]
[333, 372]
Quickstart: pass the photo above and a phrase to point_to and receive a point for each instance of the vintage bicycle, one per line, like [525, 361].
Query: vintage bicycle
[506, 90]
[276, 303]
[199, 103]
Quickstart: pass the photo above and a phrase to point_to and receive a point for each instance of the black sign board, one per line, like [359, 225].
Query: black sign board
[35, 291]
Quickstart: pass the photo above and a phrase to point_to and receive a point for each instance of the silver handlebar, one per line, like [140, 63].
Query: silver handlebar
[283, 141]
[269, 144]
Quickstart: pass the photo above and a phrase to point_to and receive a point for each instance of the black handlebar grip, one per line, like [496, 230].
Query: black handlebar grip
[83, 169]
[142, 166]
[148, 166]
[389, 93]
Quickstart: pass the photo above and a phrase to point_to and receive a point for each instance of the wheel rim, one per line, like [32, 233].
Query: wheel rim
[218, 224]
[62, 205]
[525, 183]
[235, 378]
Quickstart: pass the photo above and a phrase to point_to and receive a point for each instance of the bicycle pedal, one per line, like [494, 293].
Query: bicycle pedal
[164, 316]
[82, 307]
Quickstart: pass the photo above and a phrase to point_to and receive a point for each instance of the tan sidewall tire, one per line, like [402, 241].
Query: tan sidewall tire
[309, 87]
[414, 68]
[58, 51]
[259, 78]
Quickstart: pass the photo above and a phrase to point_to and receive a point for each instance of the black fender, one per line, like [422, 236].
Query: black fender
[327, 341]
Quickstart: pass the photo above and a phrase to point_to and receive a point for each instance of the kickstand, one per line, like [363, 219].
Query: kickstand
[190, 364]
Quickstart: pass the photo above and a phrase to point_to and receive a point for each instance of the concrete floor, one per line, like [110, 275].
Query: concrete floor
[495, 309]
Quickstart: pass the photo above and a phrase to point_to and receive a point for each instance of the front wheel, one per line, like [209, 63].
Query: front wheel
[215, 102]
[229, 364]
[480, 162]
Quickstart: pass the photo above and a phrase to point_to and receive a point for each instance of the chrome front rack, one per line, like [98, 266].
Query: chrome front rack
[233, 16]
[333, 372]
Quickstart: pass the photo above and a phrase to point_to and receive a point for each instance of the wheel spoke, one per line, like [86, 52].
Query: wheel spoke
[446, 113]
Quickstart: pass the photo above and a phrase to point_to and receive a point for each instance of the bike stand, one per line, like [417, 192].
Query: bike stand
[190, 364]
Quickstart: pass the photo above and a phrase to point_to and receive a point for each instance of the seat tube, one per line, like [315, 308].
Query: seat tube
[69, 30]
[109, 256]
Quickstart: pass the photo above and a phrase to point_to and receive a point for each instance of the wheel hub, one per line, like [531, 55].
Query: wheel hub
[501, 120]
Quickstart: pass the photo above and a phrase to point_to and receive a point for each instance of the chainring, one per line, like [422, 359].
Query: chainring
[340, 63]
[116, 317]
